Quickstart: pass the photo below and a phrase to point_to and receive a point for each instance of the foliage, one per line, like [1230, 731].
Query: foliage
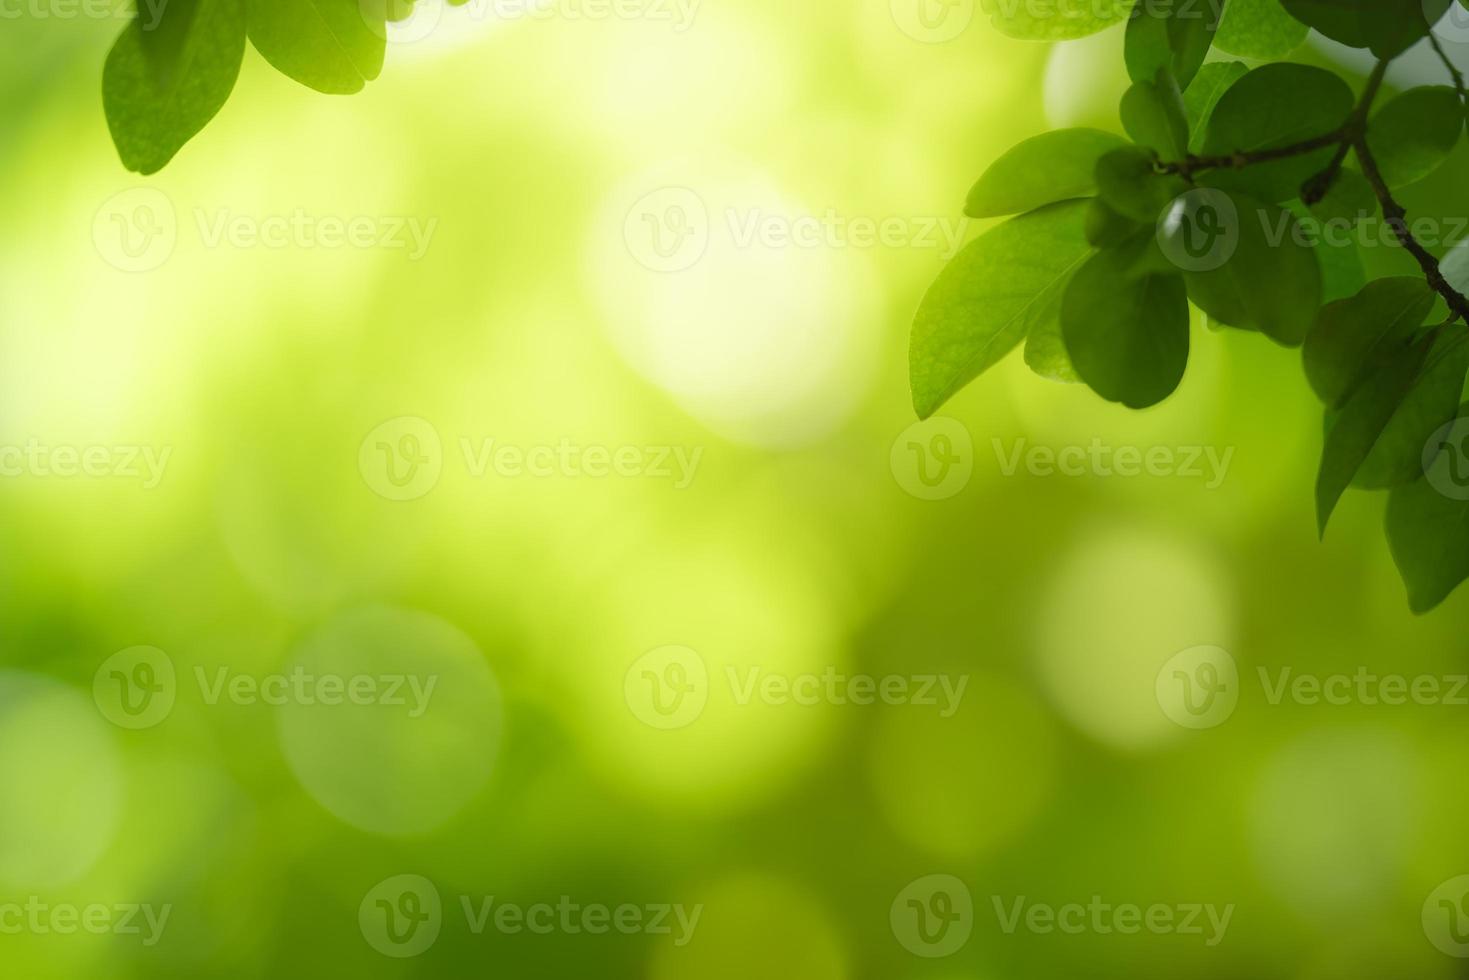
[171, 71]
[1112, 241]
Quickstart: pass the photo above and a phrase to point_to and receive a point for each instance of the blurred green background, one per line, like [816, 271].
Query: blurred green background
[555, 159]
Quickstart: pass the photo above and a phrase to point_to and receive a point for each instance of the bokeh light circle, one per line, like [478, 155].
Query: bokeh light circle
[421, 739]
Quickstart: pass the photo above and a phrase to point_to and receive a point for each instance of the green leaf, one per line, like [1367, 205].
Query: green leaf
[1052, 167]
[1171, 36]
[1413, 135]
[1259, 29]
[1428, 525]
[1274, 106]
[1387, 27]
[1045, 350]
[1127, 336]
[1105, 227]
[1055, 20]
[1128, 184]
[1351, 336]
[1209, 85]
[1342, 271]
[986, 300]
[1271, 282]
[1348, 201]
[333, 46]
[164, 81]
[1361, 421]
[1397, 458]
[1154, 116]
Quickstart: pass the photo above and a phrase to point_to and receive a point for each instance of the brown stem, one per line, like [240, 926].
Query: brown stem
[1191, 164]
[1397, 219]
[1454, 71]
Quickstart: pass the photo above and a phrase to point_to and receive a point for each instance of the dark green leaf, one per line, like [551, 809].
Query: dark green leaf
[1271, 107]
[1045, 169]
[1361, 421]
[1348, 201]
[1397, 458]
[1154, 116]
[1414, 134]
[1127, 336]
[1387, 27]
[1129, 184]
[1272, 280]
[164, 81]
[1428, 520]
[987, 299]
[1105, 226]
[1352, 336]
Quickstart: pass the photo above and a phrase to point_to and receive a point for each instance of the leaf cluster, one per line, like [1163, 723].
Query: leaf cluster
[1108, 243]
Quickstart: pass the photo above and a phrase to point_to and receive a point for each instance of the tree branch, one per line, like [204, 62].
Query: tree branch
[1397, 220]
[1191, 164]
[1454, 71]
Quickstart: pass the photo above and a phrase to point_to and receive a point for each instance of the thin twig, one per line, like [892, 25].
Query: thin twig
[1454, 71]
[1397, 220]
[1191, 164]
